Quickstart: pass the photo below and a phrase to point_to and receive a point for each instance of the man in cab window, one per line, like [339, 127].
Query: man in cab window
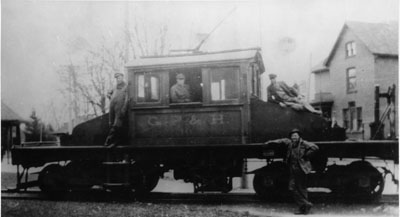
[180, 92]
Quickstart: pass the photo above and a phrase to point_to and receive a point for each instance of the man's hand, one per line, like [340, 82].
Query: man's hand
[109, 94]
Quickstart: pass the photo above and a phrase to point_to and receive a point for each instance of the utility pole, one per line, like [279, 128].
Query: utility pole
[309, 80]
[69, 102]
[126, 31]
[73, 110]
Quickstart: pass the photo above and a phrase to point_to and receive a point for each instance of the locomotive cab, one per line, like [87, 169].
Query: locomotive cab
[220, 86]
[224, 103]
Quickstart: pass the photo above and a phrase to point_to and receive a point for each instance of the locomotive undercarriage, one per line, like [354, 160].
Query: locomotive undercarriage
[124, 175]
[357, 180]
[209, 175]
[209, 169]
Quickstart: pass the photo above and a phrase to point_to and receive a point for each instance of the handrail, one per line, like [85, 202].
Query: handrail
[40, 143]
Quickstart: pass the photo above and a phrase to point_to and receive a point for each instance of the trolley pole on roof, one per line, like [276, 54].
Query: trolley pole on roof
[197, 48]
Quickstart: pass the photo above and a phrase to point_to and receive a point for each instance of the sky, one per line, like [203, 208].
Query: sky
[37, 37]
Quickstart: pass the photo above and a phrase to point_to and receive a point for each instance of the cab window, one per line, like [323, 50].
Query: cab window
[224, 83]
[148, 87]
[185, 85]
[255, 80]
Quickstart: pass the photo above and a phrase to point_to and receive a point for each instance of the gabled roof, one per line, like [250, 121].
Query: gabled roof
[7, 114]
[198, 58]
[379, 38]
[320, 67]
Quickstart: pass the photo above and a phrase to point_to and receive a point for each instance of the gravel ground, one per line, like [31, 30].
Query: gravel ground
[31, 208]
[9, 180]
[28, 208]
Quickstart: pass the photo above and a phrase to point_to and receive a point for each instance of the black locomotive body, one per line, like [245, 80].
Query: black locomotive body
[205, 141]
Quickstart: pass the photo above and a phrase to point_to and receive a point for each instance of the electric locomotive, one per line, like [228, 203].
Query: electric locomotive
[205, 141]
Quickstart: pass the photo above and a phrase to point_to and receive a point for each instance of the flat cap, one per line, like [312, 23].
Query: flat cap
[118, 74]
[180, 76]
[272, 76]
[295, 130]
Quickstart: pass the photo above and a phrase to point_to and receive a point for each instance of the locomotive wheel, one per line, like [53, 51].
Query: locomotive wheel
[144, 179]
[271, 182]
[52, 180]
[80, 174]
[336, 177]
[146, 183]
[366, 182]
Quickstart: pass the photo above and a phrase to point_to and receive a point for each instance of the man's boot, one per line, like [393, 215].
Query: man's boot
[307, 208]
[301, 210]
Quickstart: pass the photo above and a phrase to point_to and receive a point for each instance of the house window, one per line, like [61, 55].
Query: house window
[148, 87]
[350, 49]
[346, 123]
[351, 80]
[352, 118]
[359, 119]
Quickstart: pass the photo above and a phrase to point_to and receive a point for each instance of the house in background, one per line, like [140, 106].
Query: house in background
[364, 55]
[10, 129]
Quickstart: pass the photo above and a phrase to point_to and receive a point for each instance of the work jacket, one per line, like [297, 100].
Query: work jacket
[306, 151]
[118, 103]
[180, 93]
[281, 92]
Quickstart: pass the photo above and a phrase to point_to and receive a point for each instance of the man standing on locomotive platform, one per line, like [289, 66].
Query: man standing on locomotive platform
[118, 108]
[298, 157]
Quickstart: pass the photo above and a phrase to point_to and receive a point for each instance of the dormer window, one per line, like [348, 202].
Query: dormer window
[350, 49]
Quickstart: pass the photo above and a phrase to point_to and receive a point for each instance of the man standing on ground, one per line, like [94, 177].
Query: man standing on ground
[298, 156]
[118, 107]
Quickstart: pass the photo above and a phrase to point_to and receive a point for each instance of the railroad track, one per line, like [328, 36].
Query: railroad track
[158, 197]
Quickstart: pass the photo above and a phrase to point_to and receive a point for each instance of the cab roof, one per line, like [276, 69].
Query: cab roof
[197, 59]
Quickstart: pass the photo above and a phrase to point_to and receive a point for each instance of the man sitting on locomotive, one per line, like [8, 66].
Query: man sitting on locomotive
[297, 158]
[118, 108]
[279, 92]
[180, 92]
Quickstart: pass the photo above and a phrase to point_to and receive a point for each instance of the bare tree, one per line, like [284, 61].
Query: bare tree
[86, 83]
[54, 113]
[139, 40]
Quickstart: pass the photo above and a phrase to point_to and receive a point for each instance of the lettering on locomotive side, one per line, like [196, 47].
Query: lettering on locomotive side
[188, 124]
[217, 119]
[175, 120]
